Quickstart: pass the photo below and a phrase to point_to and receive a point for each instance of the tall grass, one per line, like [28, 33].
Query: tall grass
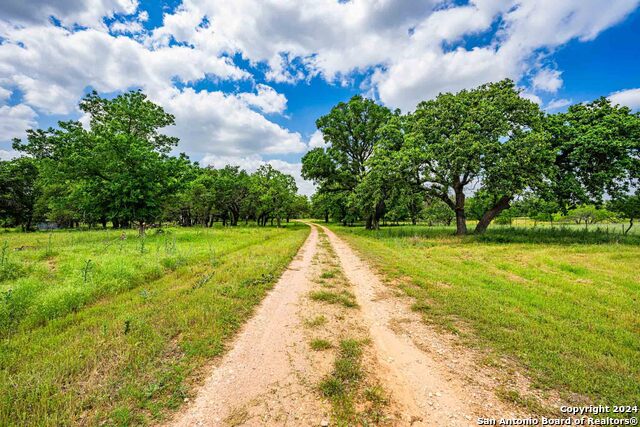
[507, 234]
[120, 340]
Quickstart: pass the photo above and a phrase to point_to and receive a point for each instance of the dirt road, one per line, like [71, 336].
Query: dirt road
[272, 372]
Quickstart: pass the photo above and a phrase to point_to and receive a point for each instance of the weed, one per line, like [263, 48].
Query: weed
[528, 402]
[8, 269]
[4, 253]
[345, 298]
[262, 280]
[319, 344]
[63, 330]
[127, 326]
[328, 274]
[332, 387]
[316, 321]
[203, 280]
[341, 386]
[143, 240]
[85, 271]
[49, 251]
[237, 417]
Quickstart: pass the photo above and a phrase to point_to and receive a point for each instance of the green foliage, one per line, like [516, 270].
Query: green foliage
[489, 136]
[119, 168]
[352, 131]
[597, 146]
[273, 194]
[628, 207]
[488, 141]
[588, 214]
[19, 192]
[438, 212]
[218, 193]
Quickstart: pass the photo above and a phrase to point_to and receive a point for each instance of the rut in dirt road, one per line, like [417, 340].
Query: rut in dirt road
[331, 344]
[435, 383]
[257, 381]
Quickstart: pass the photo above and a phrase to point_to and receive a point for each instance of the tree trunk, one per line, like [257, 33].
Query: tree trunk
[461, 217]
[375, 224]
[369, 224]
[630, 225]
[326, 217]
[379, 214]
[141, 228]
[235, 215]
[489, 215]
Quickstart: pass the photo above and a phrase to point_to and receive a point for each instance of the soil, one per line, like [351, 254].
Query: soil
[270, 374]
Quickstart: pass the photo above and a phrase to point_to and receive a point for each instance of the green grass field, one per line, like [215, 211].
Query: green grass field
[96, 329]
[564, 304]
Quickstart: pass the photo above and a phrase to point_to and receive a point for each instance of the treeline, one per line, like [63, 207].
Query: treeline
[434, 212]
[119, 172]
[476, 153]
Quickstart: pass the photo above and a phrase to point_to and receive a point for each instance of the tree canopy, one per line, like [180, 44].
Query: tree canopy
[478, 154]
[488, 143]
[119, 169]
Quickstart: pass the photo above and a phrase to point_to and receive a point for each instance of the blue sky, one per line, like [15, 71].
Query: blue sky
[247, 79]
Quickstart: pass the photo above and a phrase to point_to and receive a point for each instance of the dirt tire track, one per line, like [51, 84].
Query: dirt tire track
[268, 377]
[432, 393]
[257, 382]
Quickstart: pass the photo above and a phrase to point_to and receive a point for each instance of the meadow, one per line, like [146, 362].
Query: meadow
[562, 303]
[105, 327]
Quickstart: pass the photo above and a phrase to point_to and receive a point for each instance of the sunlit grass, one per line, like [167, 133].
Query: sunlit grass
[121, 341]
[564, 303]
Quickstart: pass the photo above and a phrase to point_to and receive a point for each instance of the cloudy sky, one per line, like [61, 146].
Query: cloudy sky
[246, 79]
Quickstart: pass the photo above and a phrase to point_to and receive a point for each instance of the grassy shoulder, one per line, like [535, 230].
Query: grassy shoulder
[564, 305]
[127, 349]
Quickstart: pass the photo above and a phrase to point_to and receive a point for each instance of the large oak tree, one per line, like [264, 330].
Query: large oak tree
[352, 131]
[487, 139]
[118, 169]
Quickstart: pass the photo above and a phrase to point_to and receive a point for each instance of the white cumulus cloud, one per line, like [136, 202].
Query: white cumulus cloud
[547, 80]
[413, 45]
[266, 99]
[629, 98]
[214, 123]
[89, 13]
[14, 120]
[556, 104]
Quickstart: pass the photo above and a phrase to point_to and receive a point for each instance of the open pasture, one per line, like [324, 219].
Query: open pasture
[563, 303]
[101, 326]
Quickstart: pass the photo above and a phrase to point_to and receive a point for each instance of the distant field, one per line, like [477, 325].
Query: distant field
[96, 328]
[528, 223]
[564, 303]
